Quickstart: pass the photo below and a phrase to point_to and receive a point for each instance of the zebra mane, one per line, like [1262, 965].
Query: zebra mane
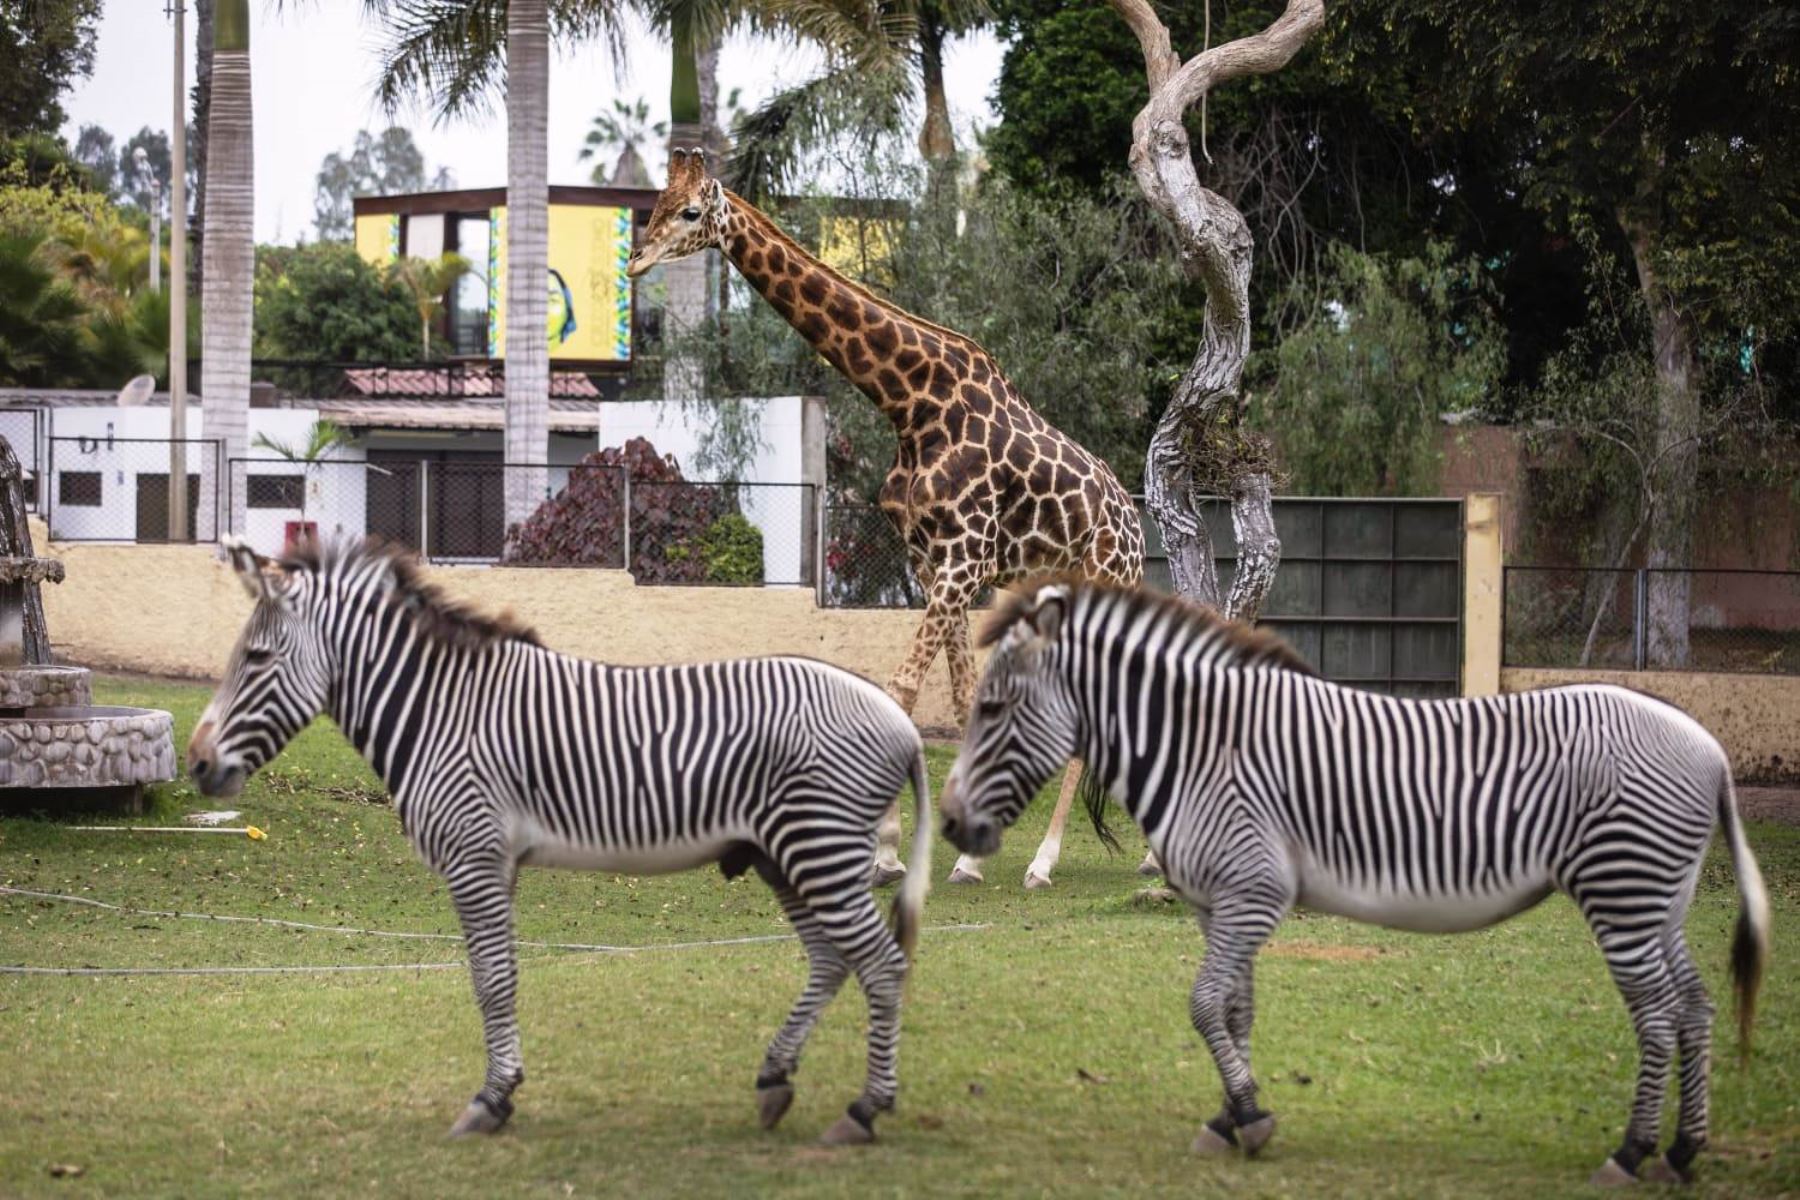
[1240, 645]
[447, 620]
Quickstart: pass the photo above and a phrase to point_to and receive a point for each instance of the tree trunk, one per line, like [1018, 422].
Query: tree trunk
[203, 62]
[225, 311]
[706, 64]
[1198, 447]
[685, 282]
[527, 348]
[1675, 459]
[937, 137]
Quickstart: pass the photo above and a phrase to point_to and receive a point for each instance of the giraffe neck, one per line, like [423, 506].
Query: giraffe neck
[891, 356]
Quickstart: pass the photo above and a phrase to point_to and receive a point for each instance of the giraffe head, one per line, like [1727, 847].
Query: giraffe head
[689, 215]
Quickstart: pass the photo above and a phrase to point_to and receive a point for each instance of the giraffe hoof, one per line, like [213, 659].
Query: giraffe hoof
[1661, 1170]
[772, 1103]
[1149, 868]
[1254, 1136]
[1208, 1143]
[479, 1117]
[964, 874]
[886, 873]
[1611, 1174]
[1036, 878]
[847, 1131]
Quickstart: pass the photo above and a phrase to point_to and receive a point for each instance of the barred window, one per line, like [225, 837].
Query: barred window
[78, 489]
[276, 491]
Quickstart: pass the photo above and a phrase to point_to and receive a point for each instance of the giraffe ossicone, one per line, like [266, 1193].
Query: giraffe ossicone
[983, 490]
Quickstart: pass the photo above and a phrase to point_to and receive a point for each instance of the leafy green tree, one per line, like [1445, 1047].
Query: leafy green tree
[324, 303]
[45, 46]
[383, 164]
[134, 340]
[94, 149]
[1356, 394]
[1673, 132]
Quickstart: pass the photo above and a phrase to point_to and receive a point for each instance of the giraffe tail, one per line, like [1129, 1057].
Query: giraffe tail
[909, 905]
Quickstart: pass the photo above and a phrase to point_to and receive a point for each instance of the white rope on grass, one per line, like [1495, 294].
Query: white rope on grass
[307, 926]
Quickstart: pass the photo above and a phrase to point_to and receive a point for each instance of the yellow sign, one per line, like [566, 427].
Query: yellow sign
[589, 294]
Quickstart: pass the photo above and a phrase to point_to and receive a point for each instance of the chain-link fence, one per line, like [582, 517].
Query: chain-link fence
[23, 429]
[576, 515]
[1652, 619]
[111, 489]
[865, 562]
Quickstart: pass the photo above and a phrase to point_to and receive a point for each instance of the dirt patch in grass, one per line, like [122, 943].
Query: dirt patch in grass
[1319, 952]
[1781, 805]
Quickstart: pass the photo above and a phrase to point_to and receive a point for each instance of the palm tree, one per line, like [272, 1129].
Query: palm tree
[428, 281]
[322, 437]
[225, 309]
[40, 322]
[625, 129]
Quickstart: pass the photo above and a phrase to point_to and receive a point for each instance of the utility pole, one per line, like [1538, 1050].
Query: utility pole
[178, 530]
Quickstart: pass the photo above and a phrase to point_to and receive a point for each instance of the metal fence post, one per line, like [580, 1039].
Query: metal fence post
[424, 510]
[820, 546]
[1640, 616]
[626, 526]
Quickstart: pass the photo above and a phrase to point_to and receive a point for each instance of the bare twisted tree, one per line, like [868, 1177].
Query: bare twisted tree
[1199, 446]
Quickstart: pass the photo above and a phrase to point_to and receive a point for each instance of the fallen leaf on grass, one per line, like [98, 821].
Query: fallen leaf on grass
[1087, 1076]
[66, 1171]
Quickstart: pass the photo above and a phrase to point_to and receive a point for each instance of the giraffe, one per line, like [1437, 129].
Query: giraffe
[983, 490]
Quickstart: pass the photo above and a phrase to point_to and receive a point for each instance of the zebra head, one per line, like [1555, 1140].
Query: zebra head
[274, 685]
[1024, 725]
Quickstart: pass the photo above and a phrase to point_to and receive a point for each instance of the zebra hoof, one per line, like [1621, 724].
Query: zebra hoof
[1254, 1136]
[847, 1131]
[479, 1117]
[886, 874]
[1661, 1170]
[1036, 878]
[772, 1103]
[1611, 1174]
[964, 874]
[1209, 1143]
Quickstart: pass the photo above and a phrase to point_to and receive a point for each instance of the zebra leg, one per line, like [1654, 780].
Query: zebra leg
[1219, 1135]
[1693, 1036]
[1639, 969]
[826, 971]
[483, 895]
[1234, 935]
[864, 939]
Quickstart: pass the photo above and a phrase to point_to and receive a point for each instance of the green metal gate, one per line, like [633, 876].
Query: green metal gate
[1369, 591]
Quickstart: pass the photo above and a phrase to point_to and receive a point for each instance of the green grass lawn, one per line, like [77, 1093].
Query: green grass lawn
[1048, 1052]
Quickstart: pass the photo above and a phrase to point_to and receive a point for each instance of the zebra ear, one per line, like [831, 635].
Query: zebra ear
[1047, 613]
[255, 572]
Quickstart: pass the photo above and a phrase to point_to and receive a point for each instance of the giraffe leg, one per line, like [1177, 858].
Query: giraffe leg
[946, 625]
[1037, 875]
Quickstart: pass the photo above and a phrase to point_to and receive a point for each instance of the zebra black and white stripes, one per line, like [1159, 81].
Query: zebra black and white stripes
[500, 753]
[1260, 787]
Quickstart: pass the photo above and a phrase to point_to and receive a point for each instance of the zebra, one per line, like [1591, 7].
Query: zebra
[500, 753]
[1261, 786]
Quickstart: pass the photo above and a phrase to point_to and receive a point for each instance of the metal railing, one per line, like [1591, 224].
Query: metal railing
[114, 489]
[1641, 618]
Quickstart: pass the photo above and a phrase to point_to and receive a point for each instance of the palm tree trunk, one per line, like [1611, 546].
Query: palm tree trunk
[684, 377]
[225, 310]
[937, 137]
[527, 347]
[203, 62]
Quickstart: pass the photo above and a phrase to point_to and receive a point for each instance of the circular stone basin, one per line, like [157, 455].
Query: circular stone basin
[86, 746]
[44, 687]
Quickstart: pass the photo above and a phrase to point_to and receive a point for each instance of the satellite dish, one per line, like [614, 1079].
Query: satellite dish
[137, 393]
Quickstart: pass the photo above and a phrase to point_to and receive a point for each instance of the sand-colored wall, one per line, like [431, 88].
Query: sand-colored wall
[176, 610]
[1755, 717]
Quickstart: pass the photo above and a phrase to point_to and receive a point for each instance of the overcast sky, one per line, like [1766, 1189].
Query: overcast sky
[313, 68]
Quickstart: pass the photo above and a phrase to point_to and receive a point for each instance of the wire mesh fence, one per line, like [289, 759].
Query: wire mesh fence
[1652, 619]
[112, 489]
[865, 564]
[23, 429]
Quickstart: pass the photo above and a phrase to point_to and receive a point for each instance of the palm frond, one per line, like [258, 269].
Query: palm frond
[771, 141]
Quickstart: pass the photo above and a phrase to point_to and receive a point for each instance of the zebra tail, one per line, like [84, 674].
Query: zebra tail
[909, 905]
[1750, 945]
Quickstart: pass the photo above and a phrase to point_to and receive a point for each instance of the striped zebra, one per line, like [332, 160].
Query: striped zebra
[1260, 786]
[500, 753]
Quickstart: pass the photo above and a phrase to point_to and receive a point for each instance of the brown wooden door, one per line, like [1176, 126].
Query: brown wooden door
[153, 506]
